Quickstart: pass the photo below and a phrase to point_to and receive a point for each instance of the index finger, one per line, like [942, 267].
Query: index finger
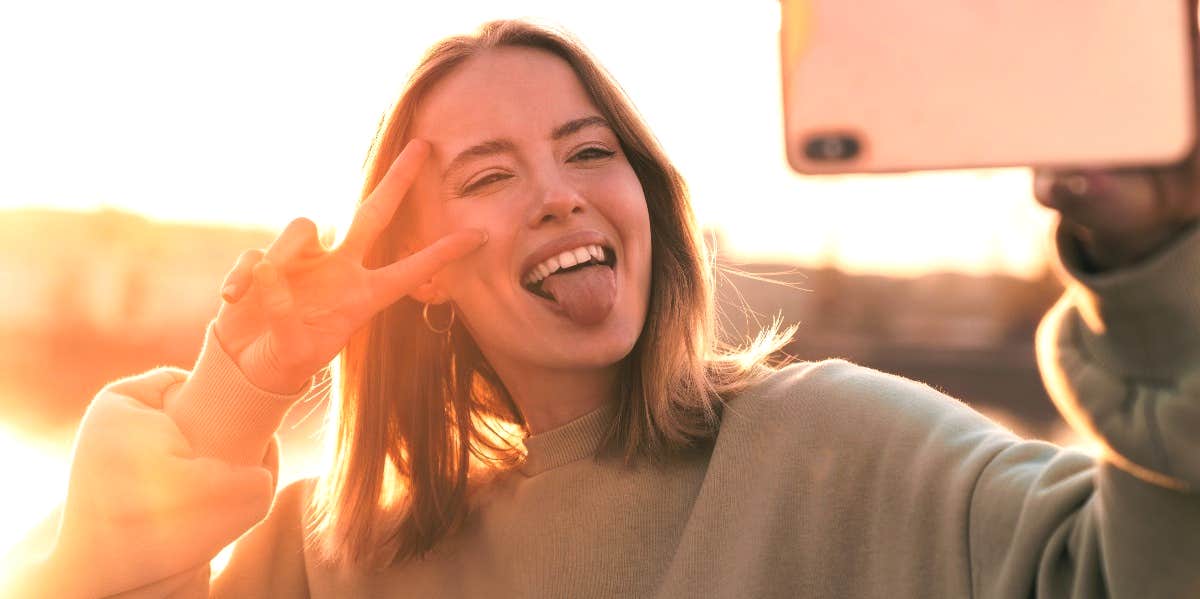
[374, 214]
[394, 281]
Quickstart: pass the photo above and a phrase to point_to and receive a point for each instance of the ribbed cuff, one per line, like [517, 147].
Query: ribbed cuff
[1142, 320]
[222, 413]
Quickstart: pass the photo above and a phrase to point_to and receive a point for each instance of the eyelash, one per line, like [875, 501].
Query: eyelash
[484, 180]
[603, 153]
[597, 152]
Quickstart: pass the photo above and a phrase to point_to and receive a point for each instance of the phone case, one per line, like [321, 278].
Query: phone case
[885, 86]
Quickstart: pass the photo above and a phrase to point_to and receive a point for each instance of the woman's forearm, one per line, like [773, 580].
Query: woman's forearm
[222, 413]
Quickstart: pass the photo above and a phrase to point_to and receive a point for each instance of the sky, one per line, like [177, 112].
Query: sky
[254, 113]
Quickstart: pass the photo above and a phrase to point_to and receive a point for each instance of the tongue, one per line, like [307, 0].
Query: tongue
[587, 294]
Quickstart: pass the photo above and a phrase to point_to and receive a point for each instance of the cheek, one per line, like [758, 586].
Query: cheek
[483, 269]
[632, 217]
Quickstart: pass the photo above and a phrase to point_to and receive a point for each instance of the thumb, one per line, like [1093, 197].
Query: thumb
[148, 388]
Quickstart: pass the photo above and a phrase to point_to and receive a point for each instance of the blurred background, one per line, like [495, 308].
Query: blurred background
[143, 146]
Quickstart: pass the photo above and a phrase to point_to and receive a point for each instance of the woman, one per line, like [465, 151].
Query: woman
[544, 271]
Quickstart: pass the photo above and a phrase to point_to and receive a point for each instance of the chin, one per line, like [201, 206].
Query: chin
[607, 346]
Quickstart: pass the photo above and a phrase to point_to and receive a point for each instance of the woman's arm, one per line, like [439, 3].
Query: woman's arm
[222, 413]
[1120, 355]
[142, 509]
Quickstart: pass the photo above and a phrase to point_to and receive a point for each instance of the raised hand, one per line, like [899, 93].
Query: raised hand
[305, 300]
[1121, 216]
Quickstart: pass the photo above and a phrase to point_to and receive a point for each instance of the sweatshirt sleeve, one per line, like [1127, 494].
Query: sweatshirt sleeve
[225, 416]
[222, 413]
[1120, 356]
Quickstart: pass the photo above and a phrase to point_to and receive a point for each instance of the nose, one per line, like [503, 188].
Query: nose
[557, 202]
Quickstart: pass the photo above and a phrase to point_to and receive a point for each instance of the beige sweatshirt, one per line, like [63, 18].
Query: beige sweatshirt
[828, 480]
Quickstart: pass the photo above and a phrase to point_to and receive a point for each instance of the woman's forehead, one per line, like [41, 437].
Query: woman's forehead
[503, 92]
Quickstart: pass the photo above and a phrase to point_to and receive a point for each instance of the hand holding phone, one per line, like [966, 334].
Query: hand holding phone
[882, 86]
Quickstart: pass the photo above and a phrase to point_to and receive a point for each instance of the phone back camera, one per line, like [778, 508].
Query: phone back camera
[831, 147]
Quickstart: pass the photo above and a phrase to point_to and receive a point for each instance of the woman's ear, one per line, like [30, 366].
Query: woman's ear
[428, 293]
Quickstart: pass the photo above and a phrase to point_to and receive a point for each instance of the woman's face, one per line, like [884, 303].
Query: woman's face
[519, 150]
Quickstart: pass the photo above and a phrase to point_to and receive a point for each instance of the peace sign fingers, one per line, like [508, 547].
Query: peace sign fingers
[377, 210]
[390, 283]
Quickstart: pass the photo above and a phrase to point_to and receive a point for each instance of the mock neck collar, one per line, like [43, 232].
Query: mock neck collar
[577, 439]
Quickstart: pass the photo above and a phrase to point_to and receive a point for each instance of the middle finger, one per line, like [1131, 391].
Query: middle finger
[373, 216]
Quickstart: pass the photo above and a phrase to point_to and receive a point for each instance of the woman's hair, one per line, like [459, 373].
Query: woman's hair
[422, 420]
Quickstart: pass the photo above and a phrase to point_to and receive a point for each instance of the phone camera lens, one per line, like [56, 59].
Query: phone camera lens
[829, 148]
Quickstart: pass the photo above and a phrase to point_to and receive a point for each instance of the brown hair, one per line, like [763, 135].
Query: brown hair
[420, 419]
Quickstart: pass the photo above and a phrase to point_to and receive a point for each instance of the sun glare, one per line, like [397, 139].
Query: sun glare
[42, 474]
[254, 114]
[257, 114]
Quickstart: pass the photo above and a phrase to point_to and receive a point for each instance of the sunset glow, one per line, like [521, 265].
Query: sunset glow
[254, 114]
[41, 470]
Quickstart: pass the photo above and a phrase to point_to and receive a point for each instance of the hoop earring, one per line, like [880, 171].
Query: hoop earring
[429, 325]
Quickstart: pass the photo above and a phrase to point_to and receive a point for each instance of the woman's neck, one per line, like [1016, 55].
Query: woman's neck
[549, 399]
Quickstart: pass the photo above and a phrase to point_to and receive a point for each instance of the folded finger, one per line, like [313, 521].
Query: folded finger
[274, 296]
[392, 282]
[299, 239]
[377, 210]
[239, 279]
[1043, 180]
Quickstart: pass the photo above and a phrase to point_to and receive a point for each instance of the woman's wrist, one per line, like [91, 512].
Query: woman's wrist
[51, 575]
[254, 364]
[272, 381]
[1101, 255]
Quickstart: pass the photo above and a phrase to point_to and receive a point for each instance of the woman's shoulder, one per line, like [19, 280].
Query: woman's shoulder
[833, 379]
[839, 397]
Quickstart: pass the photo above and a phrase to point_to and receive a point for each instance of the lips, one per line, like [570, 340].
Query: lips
[537, 264]
[573, 258]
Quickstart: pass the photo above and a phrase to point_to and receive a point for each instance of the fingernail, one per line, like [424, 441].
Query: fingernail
[229, 292]
[1078, 185]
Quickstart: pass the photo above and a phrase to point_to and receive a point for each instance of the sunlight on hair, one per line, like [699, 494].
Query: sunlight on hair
[500, 433]
[765, 342]
[218, 564]
[392, 495]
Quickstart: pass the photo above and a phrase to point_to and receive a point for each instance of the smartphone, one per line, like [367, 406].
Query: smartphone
[874, 86]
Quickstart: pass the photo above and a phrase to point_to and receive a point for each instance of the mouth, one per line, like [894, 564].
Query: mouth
[572, 260]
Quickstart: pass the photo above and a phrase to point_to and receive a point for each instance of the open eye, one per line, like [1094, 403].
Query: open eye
[591, 153]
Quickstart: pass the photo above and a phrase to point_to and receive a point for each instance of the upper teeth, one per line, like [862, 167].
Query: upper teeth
[566, 259]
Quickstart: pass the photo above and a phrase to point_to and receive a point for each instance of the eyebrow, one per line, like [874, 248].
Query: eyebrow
[576, 125]
[492, 147]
